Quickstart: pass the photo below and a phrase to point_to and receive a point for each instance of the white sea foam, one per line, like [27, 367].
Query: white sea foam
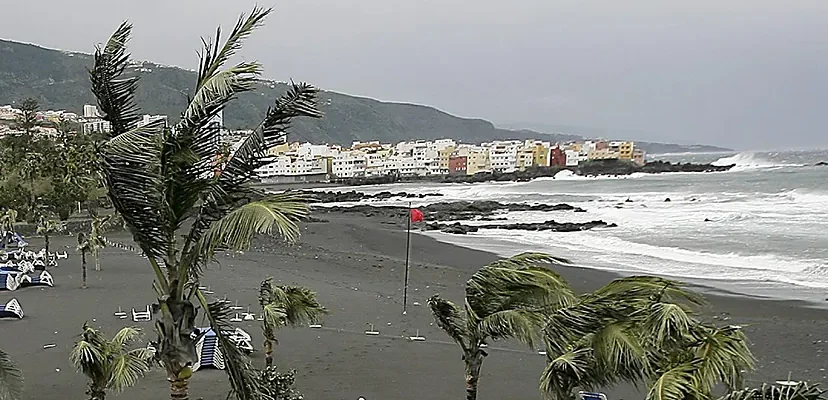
[749, 160]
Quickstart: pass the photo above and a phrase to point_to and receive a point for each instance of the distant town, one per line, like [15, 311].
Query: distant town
[292, 162]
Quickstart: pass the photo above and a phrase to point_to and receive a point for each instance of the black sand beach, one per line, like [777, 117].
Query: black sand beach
[356, 265]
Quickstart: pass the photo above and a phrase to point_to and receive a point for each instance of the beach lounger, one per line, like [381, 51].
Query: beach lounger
[10, 280]
[11, 309]
[208, 351]
[591, 396]
[241, 339]
[141, 316]
[42, 279]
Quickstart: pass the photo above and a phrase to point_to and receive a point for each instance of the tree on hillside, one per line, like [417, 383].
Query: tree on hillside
[109, 364]
[639, 330]
[505, 299]
[163, 182]
[27, 120]
[7, 220]
[285, 306]
[83, 247]
[11, 378]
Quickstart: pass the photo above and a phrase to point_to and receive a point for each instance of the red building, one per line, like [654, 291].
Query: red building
[557, 157]
[457, 165]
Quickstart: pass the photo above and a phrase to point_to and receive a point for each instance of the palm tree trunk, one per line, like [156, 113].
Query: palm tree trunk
[176, 345]
[180, 389]
[268, 349]
[473, 363]
[96, 394]
[46, 238]
[97, 262]
[83, 268]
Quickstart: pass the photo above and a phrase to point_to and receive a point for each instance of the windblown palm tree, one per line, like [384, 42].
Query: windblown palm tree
[505, 299]
[11, 379]
[285, 306]
[109, 364]
[163, 181]
[46, 227]
[97, 241]
[83, 247]
[7, 221]
[639, 330]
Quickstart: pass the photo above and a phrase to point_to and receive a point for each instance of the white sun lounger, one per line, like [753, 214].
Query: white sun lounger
[141, 316]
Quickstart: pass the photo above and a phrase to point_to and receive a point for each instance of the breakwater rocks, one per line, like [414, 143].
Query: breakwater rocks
[340, 197]
[461, 229]
[590, 168]
[451, 211]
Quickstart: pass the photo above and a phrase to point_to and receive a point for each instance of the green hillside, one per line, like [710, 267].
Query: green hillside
[58, 80]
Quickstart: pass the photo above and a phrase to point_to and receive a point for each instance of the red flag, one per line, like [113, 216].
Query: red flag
[417, 215]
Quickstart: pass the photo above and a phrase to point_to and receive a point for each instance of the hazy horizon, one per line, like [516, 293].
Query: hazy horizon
[737, 73]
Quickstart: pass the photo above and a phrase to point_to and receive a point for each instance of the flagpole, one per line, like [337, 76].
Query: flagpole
[407, 253]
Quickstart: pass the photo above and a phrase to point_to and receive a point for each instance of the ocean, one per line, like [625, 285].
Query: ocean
[760, 229]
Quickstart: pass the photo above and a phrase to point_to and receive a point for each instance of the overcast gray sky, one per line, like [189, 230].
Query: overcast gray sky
[750, 74]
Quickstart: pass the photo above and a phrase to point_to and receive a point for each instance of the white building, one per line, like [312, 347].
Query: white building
[315, 150]
[503, 155]
[90, 111]
[286, 165]
[350, 164]
[573, 158]
[148, 119]
[96, 126]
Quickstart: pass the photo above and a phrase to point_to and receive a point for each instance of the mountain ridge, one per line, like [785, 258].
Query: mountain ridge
[58, 79]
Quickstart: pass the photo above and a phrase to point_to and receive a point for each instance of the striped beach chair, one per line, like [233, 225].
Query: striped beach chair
[42, 279]
[208, 350]
[11, 309]
[591, 396]
[10, 280]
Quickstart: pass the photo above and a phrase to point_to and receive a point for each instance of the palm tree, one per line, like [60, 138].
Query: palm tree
[109, 364]
[505, 299]
[285, 305]
[640, 330]
[162, 181]
[47, 226]
[97, 241]
[83, 247]
[11, 379]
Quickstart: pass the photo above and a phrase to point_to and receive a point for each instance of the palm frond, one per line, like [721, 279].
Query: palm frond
[87, 358]
[524, 260]
[289, 305]
[241, 374]
[494, 289]
[666, 321]
[238, 228]
[724, 355]
[126, 336]
[132, 172]
[127, 369]
[115, 94]
[11, 378]
[649, 288]
[564, 372]
[619, 354]
[299, 101]
[523, 325]
[677, 383]
[450, 319]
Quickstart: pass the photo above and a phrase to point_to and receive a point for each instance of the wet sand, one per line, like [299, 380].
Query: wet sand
[356, 266]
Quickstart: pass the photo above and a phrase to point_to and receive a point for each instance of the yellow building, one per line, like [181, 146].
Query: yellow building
[603, 154]
[477, 160]
[525, 158]
[278, 149]
[540, 154]
[445, 155]
[625, 151]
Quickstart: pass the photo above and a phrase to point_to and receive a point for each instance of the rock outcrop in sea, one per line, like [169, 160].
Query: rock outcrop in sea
[462, 229]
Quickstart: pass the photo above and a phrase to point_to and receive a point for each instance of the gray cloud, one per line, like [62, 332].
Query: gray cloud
[744, 73]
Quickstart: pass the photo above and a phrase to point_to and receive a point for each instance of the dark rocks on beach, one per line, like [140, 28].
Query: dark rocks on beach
[452, 211]
[461, 229]
[667, 200]
[339, 197]
[821, 164]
